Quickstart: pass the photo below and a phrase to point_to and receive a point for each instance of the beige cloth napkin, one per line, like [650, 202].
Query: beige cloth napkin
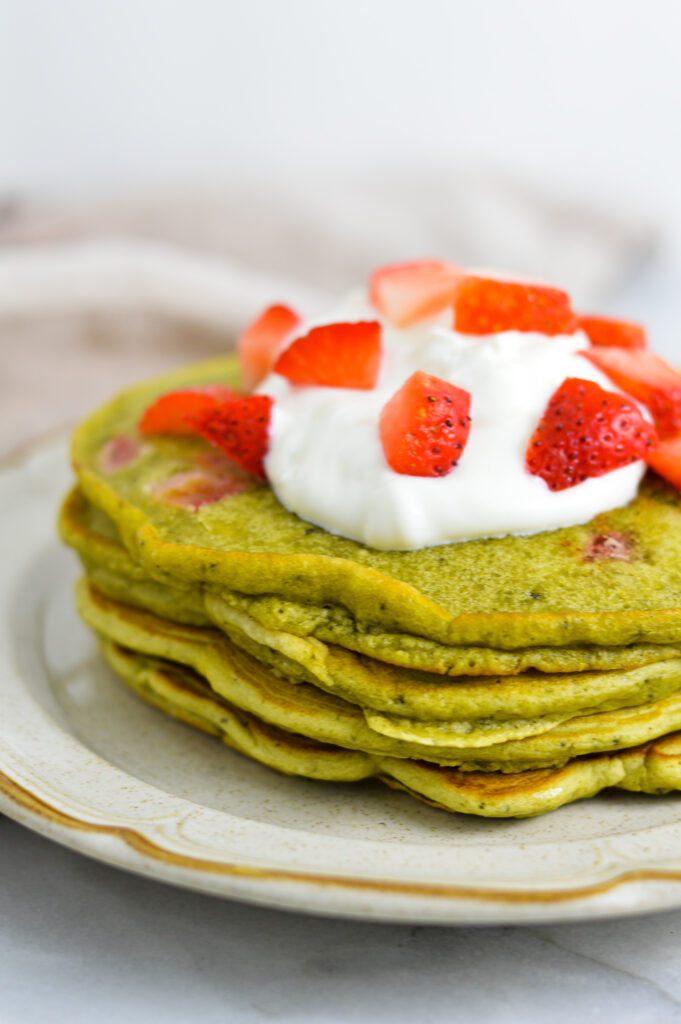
[94, 295]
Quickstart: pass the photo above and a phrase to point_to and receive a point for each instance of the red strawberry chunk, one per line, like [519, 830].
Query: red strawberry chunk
[424, 426]
[601, 330]
[648, 378]
[259, 345]
[240, 428]
[175, 412]
[335, 356]
[407, 292]
[212, 478]
[666, 460]
[118, 452]
[586, 431]
[485, 305]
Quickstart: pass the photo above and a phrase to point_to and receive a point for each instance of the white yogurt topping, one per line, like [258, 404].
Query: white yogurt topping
[326, 463]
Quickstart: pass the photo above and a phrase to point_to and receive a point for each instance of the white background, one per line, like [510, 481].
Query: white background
[102, 94]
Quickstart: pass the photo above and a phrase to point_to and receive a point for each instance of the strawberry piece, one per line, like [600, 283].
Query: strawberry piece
[601, 330]
[118, 452]
[407, 292]
[334, 356]
[240, 428]
[586, 431]
[212, 478]
[259, 344]
[424, 426]
[648, 378]
[485, 305]
[666, 460]
[174, 413]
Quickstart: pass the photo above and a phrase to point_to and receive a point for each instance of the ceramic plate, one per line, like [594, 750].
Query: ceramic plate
[86, 763]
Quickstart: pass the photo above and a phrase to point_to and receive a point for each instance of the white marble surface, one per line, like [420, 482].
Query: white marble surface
[80, 941]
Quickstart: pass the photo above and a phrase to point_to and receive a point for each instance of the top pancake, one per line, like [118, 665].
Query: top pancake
[557, 588]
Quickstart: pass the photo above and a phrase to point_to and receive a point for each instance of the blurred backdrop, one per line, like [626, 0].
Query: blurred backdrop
[235, 146]
[580, 93]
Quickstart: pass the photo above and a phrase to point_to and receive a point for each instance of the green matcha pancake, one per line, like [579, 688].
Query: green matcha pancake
[298, 632]
[654, 767]
[614, 581]
[510, 744]
[402, 693]
[500, 677]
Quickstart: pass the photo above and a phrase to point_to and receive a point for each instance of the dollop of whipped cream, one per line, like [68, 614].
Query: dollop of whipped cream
[326, 462]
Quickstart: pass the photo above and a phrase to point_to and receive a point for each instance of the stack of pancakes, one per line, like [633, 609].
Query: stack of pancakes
[499, 677]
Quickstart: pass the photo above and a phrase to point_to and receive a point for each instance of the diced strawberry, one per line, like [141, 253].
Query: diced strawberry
[485, 305]
[118, 452]
[345, 355]
[601, 330]
[407, 292]
[259, 344]
[240, 428]
[174, 412]
[212, 478]
[666, 460]
[648, 378]
[424, 426]
[586, 431]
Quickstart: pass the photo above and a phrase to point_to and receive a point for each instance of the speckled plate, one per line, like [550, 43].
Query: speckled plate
[86, 763]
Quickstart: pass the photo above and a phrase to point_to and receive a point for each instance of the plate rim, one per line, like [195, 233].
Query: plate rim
[20, 796]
